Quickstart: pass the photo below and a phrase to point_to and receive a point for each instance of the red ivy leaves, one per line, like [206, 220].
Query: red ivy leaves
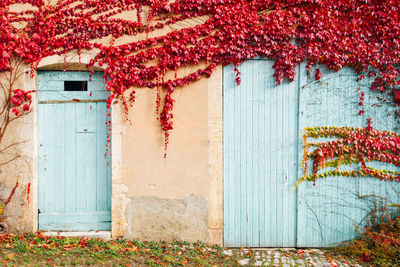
[20, 101]
[362, 34]
[318, 74]
[350, 146]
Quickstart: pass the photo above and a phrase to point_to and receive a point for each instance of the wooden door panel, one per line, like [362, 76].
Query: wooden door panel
[260, 157]
[74, 177]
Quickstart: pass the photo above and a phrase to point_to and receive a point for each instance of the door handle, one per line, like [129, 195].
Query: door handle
[285, 178]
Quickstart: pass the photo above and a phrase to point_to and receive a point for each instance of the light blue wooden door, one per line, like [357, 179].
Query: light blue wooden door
[263, 150]
[260, 158]
[74, 177]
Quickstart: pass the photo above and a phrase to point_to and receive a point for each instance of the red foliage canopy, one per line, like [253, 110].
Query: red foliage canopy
[362, 34]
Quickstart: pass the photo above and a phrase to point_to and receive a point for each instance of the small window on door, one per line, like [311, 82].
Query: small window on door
[75, 86]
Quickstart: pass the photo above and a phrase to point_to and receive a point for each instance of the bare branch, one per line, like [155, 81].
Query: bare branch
[10, 160]
[12, 145]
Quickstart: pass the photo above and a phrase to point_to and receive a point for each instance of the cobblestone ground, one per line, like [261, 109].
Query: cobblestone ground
[288, 257]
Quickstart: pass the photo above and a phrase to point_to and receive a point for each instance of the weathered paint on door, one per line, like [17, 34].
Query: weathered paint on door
[260, 158]
[263, 130]
[74, 179]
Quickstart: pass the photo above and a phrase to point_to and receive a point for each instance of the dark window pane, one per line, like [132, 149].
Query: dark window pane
[75, 85]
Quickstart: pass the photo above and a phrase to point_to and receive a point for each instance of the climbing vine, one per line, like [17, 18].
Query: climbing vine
[362, 34]
[351, 146]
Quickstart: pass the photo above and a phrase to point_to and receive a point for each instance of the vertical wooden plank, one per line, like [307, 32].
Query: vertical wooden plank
[59, 158]
[226, 158]
[49, 120]
[108, 159]
[255, 157]
[229, 157]
[41, 163]
[91, 156]
[267, 150]
[45, 155]
[236, 178]
[302, 210]
[249, 172]
[262, 161]
[274, 158]
[70, 156]
[278, 173]
[102, 170]
[82, 150]
[243, 162]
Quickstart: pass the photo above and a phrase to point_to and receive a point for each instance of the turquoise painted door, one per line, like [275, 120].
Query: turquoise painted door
[74, 177]
[263, 150]
[260, 158]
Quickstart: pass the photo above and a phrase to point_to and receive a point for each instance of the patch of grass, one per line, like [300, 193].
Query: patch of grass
[40, 250]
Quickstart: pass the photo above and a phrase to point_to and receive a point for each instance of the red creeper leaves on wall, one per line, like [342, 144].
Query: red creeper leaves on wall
[350, 146]
[20, 101]
[363, 35]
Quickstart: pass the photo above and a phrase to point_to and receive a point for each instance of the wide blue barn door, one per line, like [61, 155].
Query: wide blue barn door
[263, 149]
[260, 158]
[74, 177]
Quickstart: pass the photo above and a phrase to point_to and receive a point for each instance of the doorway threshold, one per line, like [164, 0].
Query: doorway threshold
[105, 235]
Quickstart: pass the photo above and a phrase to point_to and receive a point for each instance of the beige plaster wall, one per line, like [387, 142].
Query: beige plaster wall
[179, 197]
[21, 141]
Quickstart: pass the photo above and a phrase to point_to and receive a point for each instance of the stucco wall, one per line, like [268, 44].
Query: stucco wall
[179, 197]
[18, 162]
